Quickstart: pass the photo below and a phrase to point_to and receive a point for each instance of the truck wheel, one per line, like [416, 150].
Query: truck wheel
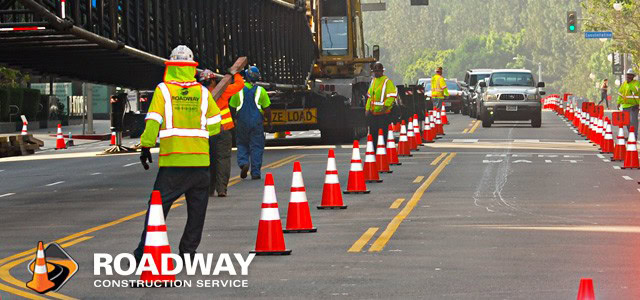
[536, 120]
[486, 120]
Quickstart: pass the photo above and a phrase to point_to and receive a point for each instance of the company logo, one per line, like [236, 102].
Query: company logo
[184, 91]
[51, 268]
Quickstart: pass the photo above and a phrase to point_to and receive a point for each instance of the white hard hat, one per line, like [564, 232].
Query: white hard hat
[181, 53]
[630, 71]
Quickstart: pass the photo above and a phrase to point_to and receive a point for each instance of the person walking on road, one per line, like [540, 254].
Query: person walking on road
[630, 97]
[381, 96]
[604, 93]
[252, 106]
[184, 115]
[439, 89]
[220, 145]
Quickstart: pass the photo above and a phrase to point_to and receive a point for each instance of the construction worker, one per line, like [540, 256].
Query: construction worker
[629, 98]
[252, 106]
[184, 115]
[439, 89]
[220, 145]
[381, 96]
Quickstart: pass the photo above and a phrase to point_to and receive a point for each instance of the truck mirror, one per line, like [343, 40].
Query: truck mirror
[376, 52]
[541, 84]
[483, 84]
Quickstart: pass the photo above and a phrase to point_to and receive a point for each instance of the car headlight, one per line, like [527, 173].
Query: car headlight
[531, 97]
[492, 97]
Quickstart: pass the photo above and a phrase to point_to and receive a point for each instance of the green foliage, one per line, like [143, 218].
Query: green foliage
[12, 78]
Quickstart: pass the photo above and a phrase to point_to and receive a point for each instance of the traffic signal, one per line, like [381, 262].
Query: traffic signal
[572, 22]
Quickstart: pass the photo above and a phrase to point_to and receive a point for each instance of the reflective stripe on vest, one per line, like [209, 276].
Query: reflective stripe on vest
[382, 95]
[257, 98]
[154, 116]
[169, 131]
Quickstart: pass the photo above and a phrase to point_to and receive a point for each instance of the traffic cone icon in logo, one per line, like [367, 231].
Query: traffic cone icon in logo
[631, 156]
[607, 143]
[298, 214]
[156, 242]
[392, 151]
[411, 136]
[382, 159]
[356, 183]
[331, 193]
[403, 143]
[270, 240]
[585, 291]
[60, 144]
[416, 130]
[371, 173]
[620, 149]
[443, 115]
[40, 281]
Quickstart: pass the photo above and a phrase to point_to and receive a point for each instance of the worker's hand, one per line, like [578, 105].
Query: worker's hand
[145, 155]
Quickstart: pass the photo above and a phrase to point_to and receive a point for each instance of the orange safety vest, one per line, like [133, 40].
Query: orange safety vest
[223, 102]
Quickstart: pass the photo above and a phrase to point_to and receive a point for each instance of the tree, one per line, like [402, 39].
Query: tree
[12, 78]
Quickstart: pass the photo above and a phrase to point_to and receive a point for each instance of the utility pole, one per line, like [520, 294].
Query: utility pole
[539, 72]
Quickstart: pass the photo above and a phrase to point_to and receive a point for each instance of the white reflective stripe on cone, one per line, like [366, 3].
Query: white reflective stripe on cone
[356, 167]
[183, 132]
[331, 164]
[269, 214]
[156, 238]
[156, 215]
[631, 147]
[154, 116]
[269, 195]
[298, 197]
[296, 180]
[391, 145]
[331, 179]
[381, 151]
[355, 154]
[40, 254]
[40, 269]
[370, 158]
[403, 138]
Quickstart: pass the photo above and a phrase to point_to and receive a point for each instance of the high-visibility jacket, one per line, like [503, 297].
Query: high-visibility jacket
[184, 115]
[629, 94]
[381, 96]
[223, 102]
[438, 87]
[261, 98]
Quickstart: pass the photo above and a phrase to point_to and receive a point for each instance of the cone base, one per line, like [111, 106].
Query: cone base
[430, 142]
[285, 252]
[630, 168]
[356, 192]
[617, 160]
[373, 181]
[416, 149]
[300, 230]
[386, 172]
[332, 207]
[396, 164]
[405, 155]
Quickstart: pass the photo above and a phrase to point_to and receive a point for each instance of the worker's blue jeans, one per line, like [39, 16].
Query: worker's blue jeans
[250, 143]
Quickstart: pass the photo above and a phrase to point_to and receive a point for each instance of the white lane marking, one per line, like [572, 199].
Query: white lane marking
[582, 142]
[1, 171]
[600, 155]
[606, 160]
[465, 141]
[7, 195]
[547, 161]
[526, 141]
[97, 173]
[617, 167]
[129, 165]
[575, 131]
[55, 183]
[627, 178]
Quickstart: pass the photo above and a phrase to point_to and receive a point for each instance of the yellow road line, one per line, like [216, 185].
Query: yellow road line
[418, 179]
[475, 127]
[396, 203]
[437, 160]
[382, 240]
[465, 130]
[363, 240]
[291, 159]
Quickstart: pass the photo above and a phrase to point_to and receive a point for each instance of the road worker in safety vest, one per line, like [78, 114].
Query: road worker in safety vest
[629, 98]
[381, 96]
[439, 89]
[184, 115]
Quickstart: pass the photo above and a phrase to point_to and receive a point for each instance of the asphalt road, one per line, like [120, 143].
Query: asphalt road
[508, 212]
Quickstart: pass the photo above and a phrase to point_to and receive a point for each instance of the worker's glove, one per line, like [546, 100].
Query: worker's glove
[145, 155]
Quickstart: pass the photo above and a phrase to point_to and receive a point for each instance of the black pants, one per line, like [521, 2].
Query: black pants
[220, 159]
[173, 182]
[379, 122]
[603, 98]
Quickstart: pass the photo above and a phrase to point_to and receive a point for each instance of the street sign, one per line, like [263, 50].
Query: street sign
[598, 35]
[621, 118]
[617, 65]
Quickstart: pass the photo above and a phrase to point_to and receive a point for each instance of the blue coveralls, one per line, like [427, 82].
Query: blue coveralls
[250, 132]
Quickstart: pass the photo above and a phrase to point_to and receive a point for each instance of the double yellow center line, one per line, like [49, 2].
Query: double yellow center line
[472, 127]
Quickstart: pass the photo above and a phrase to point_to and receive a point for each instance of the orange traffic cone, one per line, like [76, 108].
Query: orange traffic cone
[287, 133]
[607, 143]
[404, 149]
[396, 127]
[428, 138]
[113, 138]
[270, 240]
[24, 128]
[432, 122]
[631, 156]
[382, 159]
[416, 130]
[156, 241]
[356, 184]
[443, 115]
[411, 136]
[370, 166]
[40, 281]
[392, 151]
[331, 194]
[585, 291]
[620, 149]
[298, 214]
[439, 125]
[60, 144]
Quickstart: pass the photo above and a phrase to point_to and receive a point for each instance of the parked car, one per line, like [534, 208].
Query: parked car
[476, 97]
[471, 78]
[453, 103]
[511, 95]
[466, 98]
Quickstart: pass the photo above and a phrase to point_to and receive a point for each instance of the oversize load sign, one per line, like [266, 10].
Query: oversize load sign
[294, 116]
[621, 118]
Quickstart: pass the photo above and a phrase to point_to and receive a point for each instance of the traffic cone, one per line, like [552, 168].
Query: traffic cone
[24, 128]
[443, 115]
[599, 131]
[585, 291]
[270, 240]
[331, 194]
[392, 151]
[631, 156]
[428, 138]
[607, 143]
[356, 184]
[288, 133]
[40, 281]
[434, 129]
[382, 159]
[396, 127]
[60, 144]
[411, 136]
[113, 138]
[404, 149]
[620, 149]
[371, 173]
[416, 130]
[603, 132]
[439, 125]
[298, 214]
[156, 241]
